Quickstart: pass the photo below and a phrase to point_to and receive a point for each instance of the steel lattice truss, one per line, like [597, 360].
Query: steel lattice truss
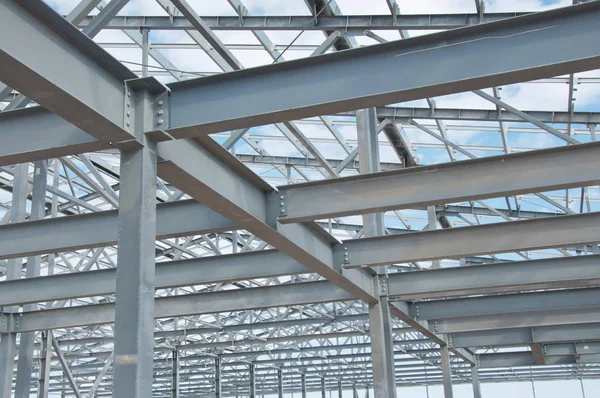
[296, 248]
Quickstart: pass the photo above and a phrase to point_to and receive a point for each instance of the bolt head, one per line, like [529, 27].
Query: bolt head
[160, 121]
[160, 102]
[160, 112]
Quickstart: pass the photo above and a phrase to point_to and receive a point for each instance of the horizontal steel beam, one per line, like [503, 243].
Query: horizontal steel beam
[524, 336]
[90, 96]
[497, 176]
[483, 115]
[191, 304]
[506, 304]
[61, 234]
[506, 277]
[569, 316]
[209, 174]
[554, 232]
[532, 46]
[347, 24]
[198, 271]
[514, 359]
[36, 134]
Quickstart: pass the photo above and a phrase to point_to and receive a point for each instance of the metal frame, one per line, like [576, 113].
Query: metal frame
[242, 272]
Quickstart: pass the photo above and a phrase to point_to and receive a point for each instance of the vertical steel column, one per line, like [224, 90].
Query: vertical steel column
[134, 307]
[145, 51]
[354, 391]
[280, 383]
[432, 226]
[446, 371]
[45, 356]
[303, 384]
[475, 381]
[38, 207]
[175, 375]
[323, 389]
[217, 377]
[340, 388]
[382, 349]
[8, 341]
[252, 369]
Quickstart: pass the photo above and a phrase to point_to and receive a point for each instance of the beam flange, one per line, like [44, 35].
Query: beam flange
[539, 171]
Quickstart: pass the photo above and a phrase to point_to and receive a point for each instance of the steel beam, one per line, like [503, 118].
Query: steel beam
[182, 218]
[404, 114]
[475, 382]
[537, 45]
[498, 176]
[197, 271]
[351, 25]
[515, 359]
[525, 336]
[506, 277]
[569, 316]
[175, 375]
[90, 96]
[506, 304]
[45, 359]
[192, 304]
[555, 232]
[35, 134]
[211, 175]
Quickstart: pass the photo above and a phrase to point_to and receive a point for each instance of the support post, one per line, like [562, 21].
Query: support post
[446, 371]
[175, 375]
[280, 383]
[134, 309]
[252, 372]
[303, 384]
[217, 377]
[475, 381]
[38, 202]
[8, 341]
[382, 349]
[323, 389]
[340, 388]
[45, 356]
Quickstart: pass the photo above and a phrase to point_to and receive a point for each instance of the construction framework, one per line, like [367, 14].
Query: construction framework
[243, 272]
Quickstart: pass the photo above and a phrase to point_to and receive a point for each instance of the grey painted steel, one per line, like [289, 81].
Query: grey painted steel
[465, 241]
[384, 383]
[568, 316]
[506, 277]
[66, 370]
[199, 25]
[446, 371]
[475, 382]
[252, 380]
[484, 115]
[104, 16]
[198, 271]
[44, 371]
[134, 304]
[507, 304]
[280, 383]
[175, 375]
[35, 134]
[217, 377]
[8, 346]
[303, 385]
[524, 336]
[323, 388]
[228, 187]
[326, 84]
[182, 218]
[25, 362]
[90, 96]
[491, 177]
[201, 303]
[349, 24]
